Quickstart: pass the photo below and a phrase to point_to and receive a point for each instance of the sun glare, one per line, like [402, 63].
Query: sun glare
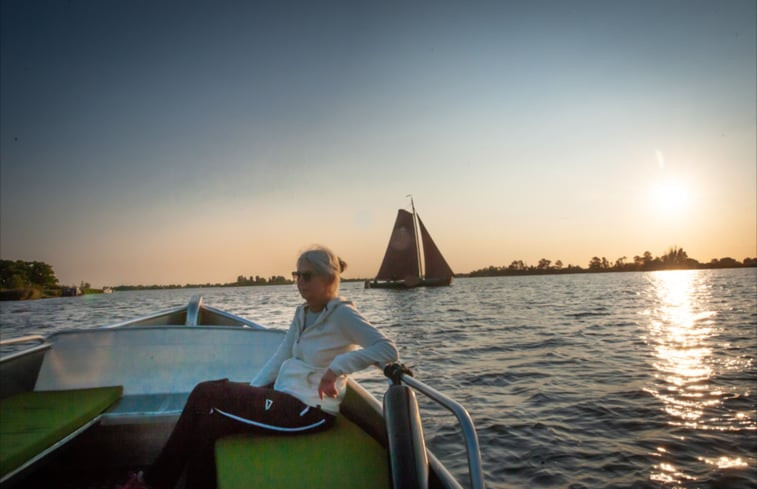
[670, 198]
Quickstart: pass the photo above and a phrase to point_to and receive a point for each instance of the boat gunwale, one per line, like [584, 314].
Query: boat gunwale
[177, 310]
[139, 319]
[245, 322]
[154, 327]
[26, 351]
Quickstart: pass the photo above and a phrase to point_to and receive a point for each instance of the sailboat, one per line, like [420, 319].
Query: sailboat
[401, 267]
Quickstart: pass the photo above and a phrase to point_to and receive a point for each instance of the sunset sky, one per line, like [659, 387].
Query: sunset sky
[149, 142]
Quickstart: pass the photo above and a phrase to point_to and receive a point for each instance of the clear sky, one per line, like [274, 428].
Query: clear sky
[149, 142]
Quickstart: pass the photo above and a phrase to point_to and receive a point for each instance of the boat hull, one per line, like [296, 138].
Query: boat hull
[411, 245]
[405, 284]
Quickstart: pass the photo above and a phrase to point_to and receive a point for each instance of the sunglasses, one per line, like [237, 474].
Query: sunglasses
[306, 276]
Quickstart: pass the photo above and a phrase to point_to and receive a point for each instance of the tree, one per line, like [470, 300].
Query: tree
[42, 274]
[277, 279]
[12, 274]
[726, 262]
[674, 256]
[677, 258]
[21, 274]
[544, 264]
[595, 264]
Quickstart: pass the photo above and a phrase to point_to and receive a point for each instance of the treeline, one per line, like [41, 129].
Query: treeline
[257, 280]
[20, 274]
[674, 259]
[241, 282]
[21, 280]
[35, 279]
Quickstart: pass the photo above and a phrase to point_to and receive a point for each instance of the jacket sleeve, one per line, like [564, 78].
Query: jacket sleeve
[376, 348]
[267, 375]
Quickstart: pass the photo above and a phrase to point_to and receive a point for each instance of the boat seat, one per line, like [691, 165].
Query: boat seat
[146, 408]
[34, 423]
[342, 456]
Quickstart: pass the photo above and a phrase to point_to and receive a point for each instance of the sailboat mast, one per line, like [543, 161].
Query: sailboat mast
[417, 238]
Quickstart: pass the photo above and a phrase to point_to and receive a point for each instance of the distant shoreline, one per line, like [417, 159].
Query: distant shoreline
[32, 293]
[507, 272]
[474, 274]
[675, 259]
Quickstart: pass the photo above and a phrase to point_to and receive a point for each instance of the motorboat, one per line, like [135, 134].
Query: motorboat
[83, 407]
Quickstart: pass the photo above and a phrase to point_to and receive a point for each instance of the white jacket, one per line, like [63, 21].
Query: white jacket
[333, 341]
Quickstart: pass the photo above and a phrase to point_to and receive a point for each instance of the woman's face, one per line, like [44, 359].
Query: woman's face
[314, 288]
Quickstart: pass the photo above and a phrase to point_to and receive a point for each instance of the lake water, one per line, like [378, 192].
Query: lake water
[599, 381]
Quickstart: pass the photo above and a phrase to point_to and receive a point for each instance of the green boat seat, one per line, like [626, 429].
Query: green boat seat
[343, 456]
[32, 422]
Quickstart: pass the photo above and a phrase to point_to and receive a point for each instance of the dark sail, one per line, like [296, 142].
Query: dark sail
[435, 264]
[401, 257]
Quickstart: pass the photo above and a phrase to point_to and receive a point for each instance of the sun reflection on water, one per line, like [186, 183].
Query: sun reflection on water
[679, 333]
[683, 333]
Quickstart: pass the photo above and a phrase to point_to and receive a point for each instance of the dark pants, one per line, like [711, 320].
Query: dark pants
[218, 408]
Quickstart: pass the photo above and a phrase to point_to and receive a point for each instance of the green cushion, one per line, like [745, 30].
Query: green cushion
[341, 457]
[30, 422]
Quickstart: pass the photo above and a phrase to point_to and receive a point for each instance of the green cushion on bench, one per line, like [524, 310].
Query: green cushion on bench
[31, 422]
[342, 456]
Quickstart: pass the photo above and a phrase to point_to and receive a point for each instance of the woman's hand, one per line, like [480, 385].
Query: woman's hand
[328, 384]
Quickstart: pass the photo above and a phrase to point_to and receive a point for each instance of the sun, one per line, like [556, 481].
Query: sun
[670, 199]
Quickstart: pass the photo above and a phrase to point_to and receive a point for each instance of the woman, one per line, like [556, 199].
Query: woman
[299, 389]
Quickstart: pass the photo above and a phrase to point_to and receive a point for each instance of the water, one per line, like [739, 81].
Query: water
[597, 381]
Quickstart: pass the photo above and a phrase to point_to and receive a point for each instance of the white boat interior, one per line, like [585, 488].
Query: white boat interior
[157, 360]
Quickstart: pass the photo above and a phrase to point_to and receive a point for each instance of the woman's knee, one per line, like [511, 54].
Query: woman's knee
[205, 391]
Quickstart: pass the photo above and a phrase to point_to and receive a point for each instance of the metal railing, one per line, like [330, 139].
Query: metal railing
[475, 470]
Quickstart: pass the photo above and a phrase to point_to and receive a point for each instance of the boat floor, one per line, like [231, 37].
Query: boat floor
[66, 478]
[103, 457]
[104, 480]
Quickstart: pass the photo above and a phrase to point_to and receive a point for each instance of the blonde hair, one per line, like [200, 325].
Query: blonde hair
[324, 262]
